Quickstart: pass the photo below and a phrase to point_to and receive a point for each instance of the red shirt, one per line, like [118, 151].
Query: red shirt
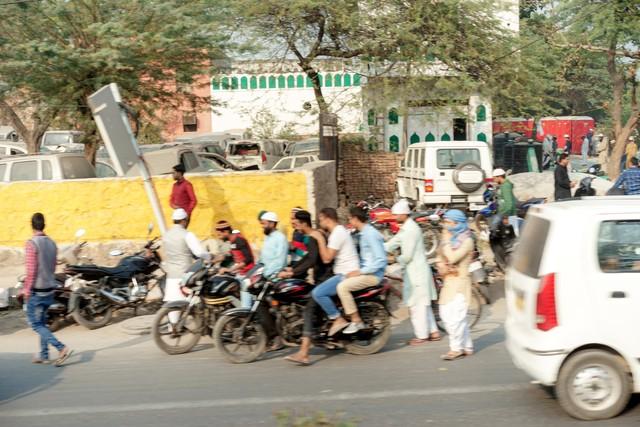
[242, 254]
[182, 196]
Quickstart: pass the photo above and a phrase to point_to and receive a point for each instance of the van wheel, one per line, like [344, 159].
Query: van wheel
[594, 385]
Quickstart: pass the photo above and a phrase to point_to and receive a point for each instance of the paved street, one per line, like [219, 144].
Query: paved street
[119, 379]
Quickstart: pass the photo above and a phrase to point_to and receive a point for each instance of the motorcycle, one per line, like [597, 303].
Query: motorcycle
[503, 242]
[97, 290]
[208, 295]
[240, 336]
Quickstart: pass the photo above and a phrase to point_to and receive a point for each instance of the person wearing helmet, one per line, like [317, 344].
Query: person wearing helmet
[506, 199]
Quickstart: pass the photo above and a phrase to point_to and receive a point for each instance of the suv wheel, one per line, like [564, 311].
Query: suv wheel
[468, 177]
[594, 385]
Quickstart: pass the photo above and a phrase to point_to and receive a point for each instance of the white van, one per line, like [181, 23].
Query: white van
[445, 173]
[573, 302]
[258, 154]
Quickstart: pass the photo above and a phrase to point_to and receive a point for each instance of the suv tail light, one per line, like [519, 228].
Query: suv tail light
[428, 186]
[488, 180]
[264, 157]
[546, 314]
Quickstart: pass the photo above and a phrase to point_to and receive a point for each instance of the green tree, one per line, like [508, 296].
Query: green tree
[55, 53]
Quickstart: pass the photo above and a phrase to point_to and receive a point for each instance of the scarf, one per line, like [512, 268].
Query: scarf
[460, 231]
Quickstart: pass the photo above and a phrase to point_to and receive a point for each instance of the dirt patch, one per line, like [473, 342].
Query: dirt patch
[12, 321]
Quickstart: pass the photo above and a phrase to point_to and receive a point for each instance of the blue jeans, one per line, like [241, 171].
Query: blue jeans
[323, 292]
[37, 315]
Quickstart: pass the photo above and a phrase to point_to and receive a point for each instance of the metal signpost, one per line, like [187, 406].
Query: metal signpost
[113, 124]
[328, 136]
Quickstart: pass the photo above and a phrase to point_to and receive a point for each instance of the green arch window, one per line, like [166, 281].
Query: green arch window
[337, 80]
[244, 83]
[371, 117]
[445, 137]
[300, 81]
[253, 82]
[430, 137]
[414, 138]
[234, 83]
[272, 82]
[482, 137]
[347, 80]
[291, 82]
[328, 80]
[263, 82]
[481, 113]
[356, 79]
[393, 116]
[309, 82]
[225, 83]
[281, 82]
[394, 144]
[320, 80]
[215, 83]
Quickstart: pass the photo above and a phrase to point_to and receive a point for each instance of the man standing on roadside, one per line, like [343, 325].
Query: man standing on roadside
[182, 194]
[563, 184]
[40, 259]
[629, 179]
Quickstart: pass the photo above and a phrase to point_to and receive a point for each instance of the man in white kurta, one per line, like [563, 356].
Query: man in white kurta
[418, 290]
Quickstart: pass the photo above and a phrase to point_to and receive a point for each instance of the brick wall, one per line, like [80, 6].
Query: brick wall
[364, 173]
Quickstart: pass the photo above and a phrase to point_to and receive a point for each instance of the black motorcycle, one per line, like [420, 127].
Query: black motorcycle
[241, 338]
[58, 311]
[207, 296]
[97, 290]
[503, 242]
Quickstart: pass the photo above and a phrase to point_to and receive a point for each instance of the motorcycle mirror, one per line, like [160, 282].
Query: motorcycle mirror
[116, 252]
[81, 232]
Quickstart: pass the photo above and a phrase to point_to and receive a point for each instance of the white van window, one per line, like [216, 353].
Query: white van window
[416, 159]
[3, 169]
[422, 155]
[244, 149]
[450, 158]
[410, 159]
[24, 171]
[46, 170]
[301, 161]
[76, 168]
[531, 247]
[188, 159]
[619, 246]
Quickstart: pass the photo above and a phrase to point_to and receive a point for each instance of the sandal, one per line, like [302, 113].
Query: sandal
[418, 341]
[452, 355]
[435, 337]
[293, 359]
[468, 352]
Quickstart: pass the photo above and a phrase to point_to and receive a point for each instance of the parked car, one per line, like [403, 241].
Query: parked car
[262, 154]
[220, 161]
[104, 169]
[7, 133]
[445, 173]
[572, 300]
[9, 148]
[46, 167]
[162, 161]
[215, 142]
[62, 140]
[292, 162]
[308, 146]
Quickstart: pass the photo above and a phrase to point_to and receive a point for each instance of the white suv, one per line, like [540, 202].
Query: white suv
[573, 302]
[445, 174]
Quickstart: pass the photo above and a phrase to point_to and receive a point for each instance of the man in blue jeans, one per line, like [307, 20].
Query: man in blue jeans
[340, 250]
[39, 285]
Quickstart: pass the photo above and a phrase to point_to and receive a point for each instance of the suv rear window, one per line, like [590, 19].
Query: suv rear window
[619, 246]
[531, 247]
[450, 158]
[244, 149]
[76, 168]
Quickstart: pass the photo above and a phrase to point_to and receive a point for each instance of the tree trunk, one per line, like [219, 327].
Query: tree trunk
[31, 137]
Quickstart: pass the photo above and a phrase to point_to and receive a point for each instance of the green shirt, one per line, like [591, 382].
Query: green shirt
[506, 199]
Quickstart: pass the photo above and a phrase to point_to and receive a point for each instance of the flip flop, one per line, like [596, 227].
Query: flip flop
[296, 361]
[438, 338]
[417, 341]
[63, 357]
[449, 357]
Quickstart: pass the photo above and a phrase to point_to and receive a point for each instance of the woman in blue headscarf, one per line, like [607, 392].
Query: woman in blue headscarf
[454, 256]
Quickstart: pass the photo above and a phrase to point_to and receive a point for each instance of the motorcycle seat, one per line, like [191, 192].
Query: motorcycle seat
[96, 270]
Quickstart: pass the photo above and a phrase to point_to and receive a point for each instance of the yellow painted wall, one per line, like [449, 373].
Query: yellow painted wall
[118, 208]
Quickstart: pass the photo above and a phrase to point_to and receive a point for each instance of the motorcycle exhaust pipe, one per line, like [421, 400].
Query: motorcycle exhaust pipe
[113, 297]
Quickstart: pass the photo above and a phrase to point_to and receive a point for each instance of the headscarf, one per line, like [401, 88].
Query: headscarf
[460, 231]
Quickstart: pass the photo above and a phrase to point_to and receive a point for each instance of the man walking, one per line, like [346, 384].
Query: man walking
[629, 179]
[373, 261]
[567, 144]
[40, 259]
[182, 194]
[418, 290]
[586, 142]
[563, 184]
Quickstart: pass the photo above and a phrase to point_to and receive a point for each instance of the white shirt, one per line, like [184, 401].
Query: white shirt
[346, 260]
[194, 245]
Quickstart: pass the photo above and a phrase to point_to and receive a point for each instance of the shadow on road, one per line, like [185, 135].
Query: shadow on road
[19, 377]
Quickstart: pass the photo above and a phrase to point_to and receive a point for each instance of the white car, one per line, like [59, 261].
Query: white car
[45, 167]
[445, 173]
[573, 302]
[292, 162]
[262, 155]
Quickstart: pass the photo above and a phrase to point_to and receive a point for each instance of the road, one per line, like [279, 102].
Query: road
[121, 380]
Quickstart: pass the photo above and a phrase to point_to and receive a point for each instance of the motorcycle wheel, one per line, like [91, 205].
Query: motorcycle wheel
[92, 312]
[182, 337]
[431, 240]
[474, 311]
[236, 345]
[375, 316]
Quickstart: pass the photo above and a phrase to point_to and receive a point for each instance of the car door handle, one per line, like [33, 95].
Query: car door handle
[618, 294]
[441, 173]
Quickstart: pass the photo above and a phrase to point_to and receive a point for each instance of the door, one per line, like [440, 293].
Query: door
[407, 174]
[616, 282]
[447, 160]
[460, 129]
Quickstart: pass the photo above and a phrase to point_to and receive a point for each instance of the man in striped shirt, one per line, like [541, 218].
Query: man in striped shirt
[629, 179]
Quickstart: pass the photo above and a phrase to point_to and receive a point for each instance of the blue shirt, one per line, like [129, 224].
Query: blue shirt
[273, 256]
[630, 180]
[373, 258]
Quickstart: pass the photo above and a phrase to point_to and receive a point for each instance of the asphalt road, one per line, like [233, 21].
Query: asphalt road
[128, 382]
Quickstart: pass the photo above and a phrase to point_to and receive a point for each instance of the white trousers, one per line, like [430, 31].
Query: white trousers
[422, 319]
[172, 293]
[454, 316]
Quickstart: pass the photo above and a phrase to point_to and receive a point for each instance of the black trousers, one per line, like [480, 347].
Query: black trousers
[267, 321]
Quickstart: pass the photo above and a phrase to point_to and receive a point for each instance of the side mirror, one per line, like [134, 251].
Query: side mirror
[81, 232]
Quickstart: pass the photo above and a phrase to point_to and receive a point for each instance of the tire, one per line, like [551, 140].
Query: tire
[468, 187]
[431, 238]
[380, 317]
[585, 370]
[226, 333]
[474, 311]
[86, 319]
[160, 329]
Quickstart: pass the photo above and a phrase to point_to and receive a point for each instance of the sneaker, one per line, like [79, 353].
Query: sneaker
[353, 328]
